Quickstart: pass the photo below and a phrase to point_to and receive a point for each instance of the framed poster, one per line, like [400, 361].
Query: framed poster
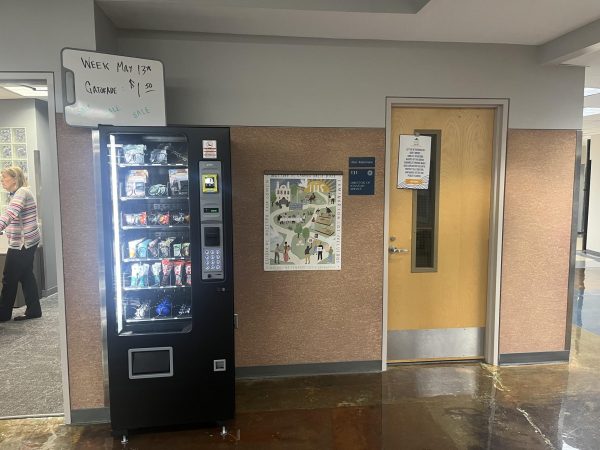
[303, 222]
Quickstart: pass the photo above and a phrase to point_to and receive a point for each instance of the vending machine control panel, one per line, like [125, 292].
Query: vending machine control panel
[211, 220]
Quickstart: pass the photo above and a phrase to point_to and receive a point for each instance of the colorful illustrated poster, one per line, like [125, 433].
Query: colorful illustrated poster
[303, 222]
[414, 156]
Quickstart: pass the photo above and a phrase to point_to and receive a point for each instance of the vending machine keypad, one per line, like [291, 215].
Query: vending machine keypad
[211, 219]
[213, 260]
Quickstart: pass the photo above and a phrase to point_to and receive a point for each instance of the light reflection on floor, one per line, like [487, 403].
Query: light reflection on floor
[442, 406]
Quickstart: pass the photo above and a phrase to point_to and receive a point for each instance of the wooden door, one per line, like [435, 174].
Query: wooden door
[438, 259]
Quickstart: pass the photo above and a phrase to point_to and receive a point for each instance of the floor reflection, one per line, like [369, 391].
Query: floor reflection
[442, 406]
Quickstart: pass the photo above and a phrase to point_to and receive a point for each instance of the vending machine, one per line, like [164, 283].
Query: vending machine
[168, 275]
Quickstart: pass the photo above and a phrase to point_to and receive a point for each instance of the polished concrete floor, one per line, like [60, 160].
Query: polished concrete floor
[450, 406]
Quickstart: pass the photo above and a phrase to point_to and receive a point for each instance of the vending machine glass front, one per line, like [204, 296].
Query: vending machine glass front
[150, 219]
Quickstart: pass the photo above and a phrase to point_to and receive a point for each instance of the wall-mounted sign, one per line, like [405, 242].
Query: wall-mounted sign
[103, 89]
[361, 182]
[414, 155]
[362, 161]
[362, 175]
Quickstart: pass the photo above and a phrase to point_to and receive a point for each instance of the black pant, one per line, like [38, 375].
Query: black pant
[18, 267]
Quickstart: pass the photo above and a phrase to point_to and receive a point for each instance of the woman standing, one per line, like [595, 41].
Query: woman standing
[20, 224]
[286, 252]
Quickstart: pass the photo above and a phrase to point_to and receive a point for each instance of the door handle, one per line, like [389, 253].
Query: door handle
[393, 249]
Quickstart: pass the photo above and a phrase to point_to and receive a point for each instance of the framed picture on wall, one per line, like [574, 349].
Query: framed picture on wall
[302, 221]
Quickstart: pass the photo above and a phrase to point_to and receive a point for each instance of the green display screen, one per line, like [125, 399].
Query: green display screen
[211, 210]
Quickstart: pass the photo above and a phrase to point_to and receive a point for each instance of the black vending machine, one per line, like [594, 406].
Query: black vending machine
[169, 275]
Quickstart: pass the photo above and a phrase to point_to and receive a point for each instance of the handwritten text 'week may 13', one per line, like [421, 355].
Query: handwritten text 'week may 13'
[141, 69]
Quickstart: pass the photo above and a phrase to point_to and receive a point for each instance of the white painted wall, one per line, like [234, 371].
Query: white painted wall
[33, 32]
[219, 80]
[106, 33]
[46, 184]
[593, 236]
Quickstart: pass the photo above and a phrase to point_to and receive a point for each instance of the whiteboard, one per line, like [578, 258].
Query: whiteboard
[104, 89]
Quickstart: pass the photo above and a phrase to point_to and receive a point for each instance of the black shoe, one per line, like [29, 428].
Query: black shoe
[19, 318]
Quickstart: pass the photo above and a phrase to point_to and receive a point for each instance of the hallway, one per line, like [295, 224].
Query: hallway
[451, 406]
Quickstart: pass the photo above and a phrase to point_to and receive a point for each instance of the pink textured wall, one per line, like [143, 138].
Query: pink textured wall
[301, 317]
[537, 229]
[309, 317]
[80, 264]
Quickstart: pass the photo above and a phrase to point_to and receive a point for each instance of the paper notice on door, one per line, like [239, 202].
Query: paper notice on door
[414, 156]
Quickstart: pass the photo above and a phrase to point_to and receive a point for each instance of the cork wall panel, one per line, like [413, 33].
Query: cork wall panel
[305, 317]
[80, 265]
[536, 245]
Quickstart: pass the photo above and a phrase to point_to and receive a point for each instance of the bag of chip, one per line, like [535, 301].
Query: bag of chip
[179, 272]
[167, 267]
[188, 273]
[143, 277]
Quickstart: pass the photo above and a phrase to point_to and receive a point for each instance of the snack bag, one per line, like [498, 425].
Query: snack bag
[167, 267]
[158, 190]
[135, 274]
[143, 277]
[130, 308]
[135, 183]
[178, 181]
[129, 219]
[163, 219]
[163, 308]
[158, 156]
[185, 249]
[179, 272]
[164, 248]
[142, 248]
[135, 219]
[177, 250]
[153, 250]
[132, 247]
[188, 273]
[155, 273]
[134, 153]
[142, 311]
[184, 310]
[178, 218]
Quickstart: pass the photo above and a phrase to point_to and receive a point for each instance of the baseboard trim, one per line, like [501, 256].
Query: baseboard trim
[534, 357]
[47, 292]
[592, 253]
[307, 369]
[90, 415]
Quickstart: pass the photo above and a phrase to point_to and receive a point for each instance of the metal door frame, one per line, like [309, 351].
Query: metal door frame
[54, 196]
[501, 107]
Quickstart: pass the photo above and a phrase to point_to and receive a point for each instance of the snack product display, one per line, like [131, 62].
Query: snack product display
[135, 183]
[153, 220]
[134, 153]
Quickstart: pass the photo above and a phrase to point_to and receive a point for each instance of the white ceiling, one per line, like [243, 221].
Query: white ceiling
[528, 22]
[5, 94]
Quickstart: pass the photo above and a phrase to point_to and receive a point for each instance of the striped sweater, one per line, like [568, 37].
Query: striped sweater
[19, 221]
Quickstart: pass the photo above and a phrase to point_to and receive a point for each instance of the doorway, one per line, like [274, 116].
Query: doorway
[441, 271]
[34, 351]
